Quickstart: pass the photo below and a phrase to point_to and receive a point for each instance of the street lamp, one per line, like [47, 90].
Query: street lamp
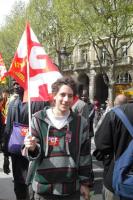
[63, 57]
[63, 53]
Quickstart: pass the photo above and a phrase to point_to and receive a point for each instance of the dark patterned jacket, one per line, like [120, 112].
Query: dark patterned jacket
[63, 161]
[111, 139]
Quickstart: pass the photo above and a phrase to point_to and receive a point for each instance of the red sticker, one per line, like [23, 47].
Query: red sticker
[53, 141]
[24, 131]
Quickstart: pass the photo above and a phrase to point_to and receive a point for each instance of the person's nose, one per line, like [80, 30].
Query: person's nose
[66, 98]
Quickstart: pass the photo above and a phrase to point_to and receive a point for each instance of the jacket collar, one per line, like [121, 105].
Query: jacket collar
[43, 116]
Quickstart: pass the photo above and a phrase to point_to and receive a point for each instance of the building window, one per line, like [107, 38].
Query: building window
[124, 78]
[128, 78]
[124, 50]
[82, 55]
[102, 54]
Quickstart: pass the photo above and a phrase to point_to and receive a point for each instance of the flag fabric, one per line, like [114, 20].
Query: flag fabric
[42, 71]
[3, 70]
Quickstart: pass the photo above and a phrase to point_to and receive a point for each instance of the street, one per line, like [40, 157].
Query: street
[97, 190]
[6, 184]
[98, 180]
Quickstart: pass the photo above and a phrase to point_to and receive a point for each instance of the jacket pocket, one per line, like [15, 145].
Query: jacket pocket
[56, 170]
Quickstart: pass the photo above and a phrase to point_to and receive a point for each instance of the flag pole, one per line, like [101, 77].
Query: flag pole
[25, 150]
[28, 72]
[29, 99]
[28, 78]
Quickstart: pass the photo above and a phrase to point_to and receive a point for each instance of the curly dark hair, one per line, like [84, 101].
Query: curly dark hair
[64, 81]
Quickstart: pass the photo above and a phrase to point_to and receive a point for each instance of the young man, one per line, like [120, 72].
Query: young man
[59, 148]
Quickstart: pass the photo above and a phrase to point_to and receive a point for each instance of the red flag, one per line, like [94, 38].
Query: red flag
[42, 72]
[3, 70]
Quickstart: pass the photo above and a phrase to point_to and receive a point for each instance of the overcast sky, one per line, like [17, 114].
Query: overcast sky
[5, 7]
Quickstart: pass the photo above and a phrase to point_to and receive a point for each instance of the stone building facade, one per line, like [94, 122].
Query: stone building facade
[84, 66]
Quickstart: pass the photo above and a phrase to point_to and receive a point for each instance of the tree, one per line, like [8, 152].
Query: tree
[107, 24]
[11, 31]
[53, 25]
[49, 22]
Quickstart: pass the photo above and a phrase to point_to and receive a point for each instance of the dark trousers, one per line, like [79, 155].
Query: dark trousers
[20, 167]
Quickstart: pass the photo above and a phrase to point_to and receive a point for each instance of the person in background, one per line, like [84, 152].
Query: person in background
[109, 105]
[19, 163]
[58, 147]
[2, 121]
[79, 106]
[84, 96]
[4, 107]
[96, 103]
[98, 113]
[18, 112]
[5, 95]
[120, 99]
[109, 138]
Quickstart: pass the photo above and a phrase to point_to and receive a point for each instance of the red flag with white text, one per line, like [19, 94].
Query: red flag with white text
[3, 70]
[42, 71]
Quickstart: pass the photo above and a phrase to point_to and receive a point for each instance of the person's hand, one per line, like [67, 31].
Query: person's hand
[6, 164]
[30, 143]
[85, 192]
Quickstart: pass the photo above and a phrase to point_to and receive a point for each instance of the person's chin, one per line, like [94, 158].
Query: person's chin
[64, 109]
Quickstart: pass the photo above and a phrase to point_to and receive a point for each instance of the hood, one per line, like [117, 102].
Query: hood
[41, 115]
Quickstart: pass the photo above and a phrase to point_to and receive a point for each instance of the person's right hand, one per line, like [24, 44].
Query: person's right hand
[30, 142]
[85, 192]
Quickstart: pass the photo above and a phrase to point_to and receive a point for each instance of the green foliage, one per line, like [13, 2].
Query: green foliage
[65, 23]
[11, 32]
[52, 23]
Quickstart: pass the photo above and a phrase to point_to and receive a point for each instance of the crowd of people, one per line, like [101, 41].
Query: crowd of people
[55, 161]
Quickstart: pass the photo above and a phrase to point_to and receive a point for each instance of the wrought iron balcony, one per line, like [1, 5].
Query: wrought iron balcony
[126, 60]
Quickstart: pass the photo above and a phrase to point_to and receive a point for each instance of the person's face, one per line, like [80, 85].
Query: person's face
[63, 99]
[17, 89]
[84, 96]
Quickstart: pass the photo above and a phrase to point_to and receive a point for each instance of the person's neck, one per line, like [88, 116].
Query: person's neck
[58, 113]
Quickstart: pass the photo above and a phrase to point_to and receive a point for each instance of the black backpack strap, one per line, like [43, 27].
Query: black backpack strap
[124, 119]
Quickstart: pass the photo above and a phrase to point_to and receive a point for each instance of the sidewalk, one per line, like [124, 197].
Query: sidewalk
[6, 184]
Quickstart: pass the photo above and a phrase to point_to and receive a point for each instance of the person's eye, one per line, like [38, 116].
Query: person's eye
[70, 96]
[63, 94]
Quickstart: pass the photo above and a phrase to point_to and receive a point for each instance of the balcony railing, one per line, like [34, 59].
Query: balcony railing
[104, 63]
[69, 65]
[127, 60]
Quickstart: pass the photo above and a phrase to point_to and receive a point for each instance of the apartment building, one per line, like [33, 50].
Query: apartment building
[85, 65]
